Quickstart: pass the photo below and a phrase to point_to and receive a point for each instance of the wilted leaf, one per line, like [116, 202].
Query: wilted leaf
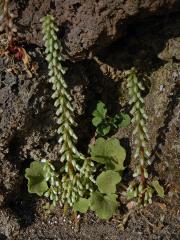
[36, 178]
[82, 205]
[109, 152]
[104, 205]
[159, 189]
[107, 181]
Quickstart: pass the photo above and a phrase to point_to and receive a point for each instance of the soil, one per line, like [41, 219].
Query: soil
[28, 129]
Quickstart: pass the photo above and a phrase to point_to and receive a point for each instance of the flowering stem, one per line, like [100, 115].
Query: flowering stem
[141, 153]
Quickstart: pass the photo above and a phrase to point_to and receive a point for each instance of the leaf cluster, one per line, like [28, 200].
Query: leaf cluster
[111, 155]
[103, 200]
[105, 124]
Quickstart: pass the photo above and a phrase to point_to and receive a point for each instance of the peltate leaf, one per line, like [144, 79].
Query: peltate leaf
[158, 188]
[36, 178]
[117, 154]
[98, 152]
[104, 205]
[107, 181]
[109, 152]
[82, 205]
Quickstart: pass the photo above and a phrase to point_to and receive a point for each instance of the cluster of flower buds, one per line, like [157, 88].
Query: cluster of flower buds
[72, 189]
[77, 184]
[77, 173]
[139, 119]
[6, 21]
[61, 96]
[139, 192]
[53, 180]
[141, 154]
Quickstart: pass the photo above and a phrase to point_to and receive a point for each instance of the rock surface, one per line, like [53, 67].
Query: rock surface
[87, 26]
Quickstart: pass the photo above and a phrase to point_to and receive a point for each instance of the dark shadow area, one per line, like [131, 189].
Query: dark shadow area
[125, 143]
[15, 145]
[139, 49]
[128, 172]
[142, 44]
[95, 87]
[22, 205]
[2, 237]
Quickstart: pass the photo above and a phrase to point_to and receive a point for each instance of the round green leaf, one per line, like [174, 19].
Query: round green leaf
[126, 120]
[107, 181]
[37, 186]
[104, 206]
[96, 121]
[99, 114]
[116, 153]
[98, 151]
[109, 152]
[101, 109]
[36, 178]
[82, 205]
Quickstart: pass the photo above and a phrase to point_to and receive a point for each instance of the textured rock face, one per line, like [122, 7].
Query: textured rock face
[87, 26]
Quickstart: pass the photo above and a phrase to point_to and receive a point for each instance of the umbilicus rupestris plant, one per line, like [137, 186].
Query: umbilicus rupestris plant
[76, 171]
[141, 153]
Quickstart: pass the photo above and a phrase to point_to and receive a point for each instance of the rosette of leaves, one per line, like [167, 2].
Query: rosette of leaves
[105, 124]
[110, 155]
[142, 190]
